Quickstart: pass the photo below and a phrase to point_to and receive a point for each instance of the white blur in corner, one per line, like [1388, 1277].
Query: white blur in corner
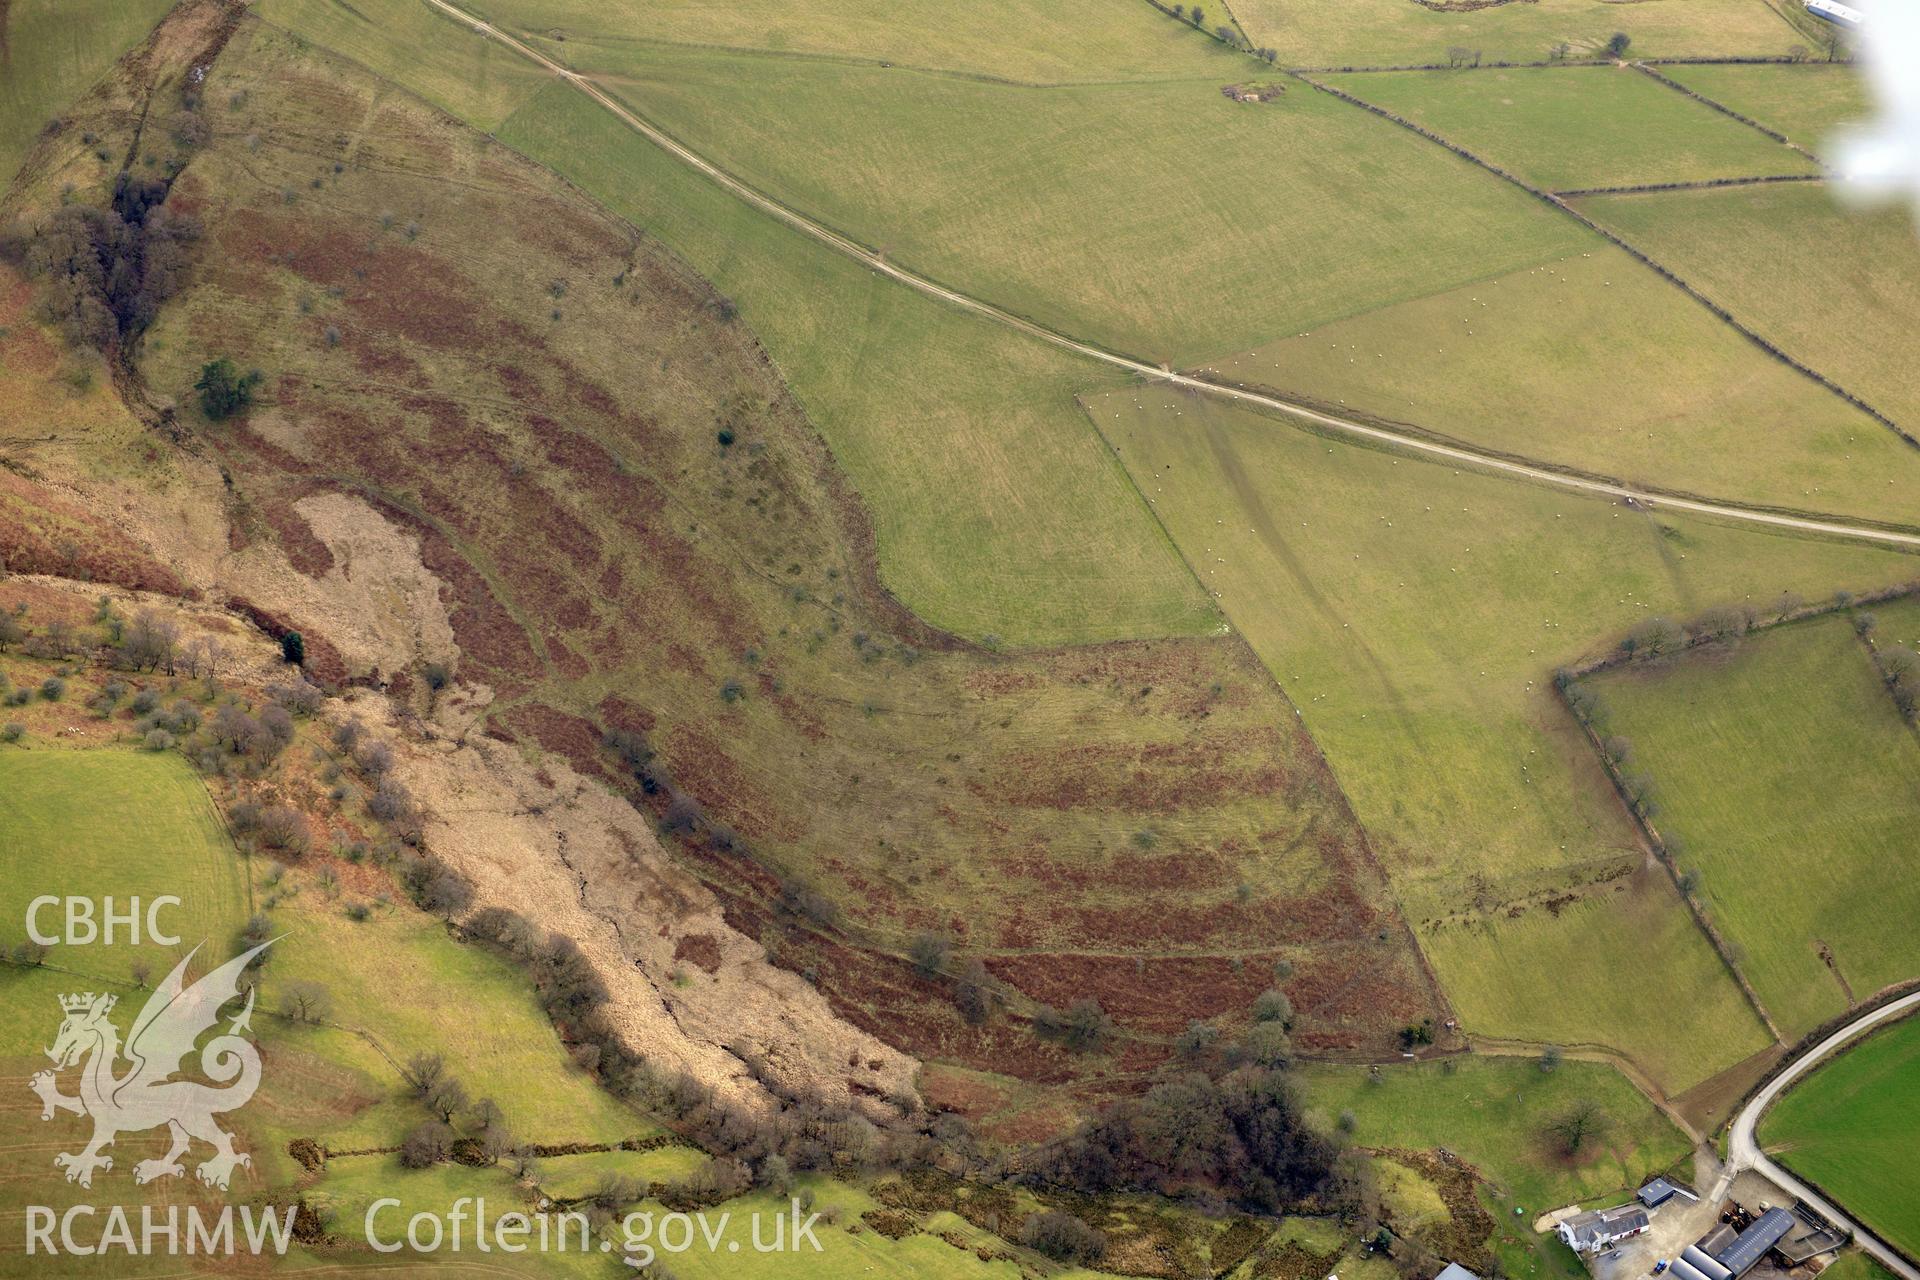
[1878, 161]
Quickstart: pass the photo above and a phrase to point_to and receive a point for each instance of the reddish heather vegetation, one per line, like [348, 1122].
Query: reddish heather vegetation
[649, 559]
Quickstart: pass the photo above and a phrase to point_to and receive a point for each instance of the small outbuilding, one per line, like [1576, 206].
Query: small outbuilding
[1660, 1190]
[1454, 1271]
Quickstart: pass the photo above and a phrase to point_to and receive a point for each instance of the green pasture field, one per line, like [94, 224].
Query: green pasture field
[1806, 101]
[1896, 622]
[1503, 971]
[509, 1053]
[1567, 127]
[1856, 1266]
[107, 820]
[1023, 40]
[1792, 784]
[89, 824]
[1401, 33]
[569, 1177]
[1161, 219]
[348, 1189]
[1850, 1129]
[1493, 1112]
[1595, 362]
[94, 822]
[997, 511]
[850, 1250]
[848, 1247]
[1415, 615]
[51, 52]
[1837, 288]
[28, 1145]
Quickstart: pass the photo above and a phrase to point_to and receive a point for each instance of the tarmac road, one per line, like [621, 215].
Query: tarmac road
[1743, 1149]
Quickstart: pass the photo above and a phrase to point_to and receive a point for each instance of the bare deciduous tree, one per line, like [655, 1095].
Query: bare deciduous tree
[1579, 1125]
[306, 1002]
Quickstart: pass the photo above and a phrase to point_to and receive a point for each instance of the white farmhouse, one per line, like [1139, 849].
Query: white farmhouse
[1603, 1228]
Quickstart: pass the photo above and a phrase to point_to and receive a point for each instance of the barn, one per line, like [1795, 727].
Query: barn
[1839, 15]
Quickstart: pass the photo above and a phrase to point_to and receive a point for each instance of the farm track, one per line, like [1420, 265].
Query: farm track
[1536, 472]
[1499, 1047]
[1408, 440]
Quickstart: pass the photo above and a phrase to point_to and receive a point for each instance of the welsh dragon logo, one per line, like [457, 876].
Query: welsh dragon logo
[145, 1096]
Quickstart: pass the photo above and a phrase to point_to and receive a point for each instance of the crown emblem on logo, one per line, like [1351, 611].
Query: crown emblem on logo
[146, 1095]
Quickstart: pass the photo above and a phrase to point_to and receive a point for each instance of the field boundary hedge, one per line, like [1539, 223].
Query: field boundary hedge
[1753, 60]
[1496, 64]
[1581, 710]
[1756, 60]
[1704, 100]
[1667, 273]
[1664, 854]
[1699, 184]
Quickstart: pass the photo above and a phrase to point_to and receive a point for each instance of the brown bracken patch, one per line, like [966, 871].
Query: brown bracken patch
[1116, 820]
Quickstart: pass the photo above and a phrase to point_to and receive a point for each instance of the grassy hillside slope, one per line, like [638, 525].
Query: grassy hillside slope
[639, 530]
[1838, 288]
[1415, 615]
[84, 823]
[51, 51]
[1162, 219]
[997, 512]
[1595, 362]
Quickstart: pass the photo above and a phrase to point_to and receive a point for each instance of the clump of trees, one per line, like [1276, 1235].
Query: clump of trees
[434, 887]
[104, 272]
[1241, 1135]
[427, 1143]
[1654, 638]
[930, 953]
[283, 829]
[1082, 1027]
[457, 1127]
[306, 1002]
[1900, 666]
[1064, 1238]
[975, 994]
[225, 391]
